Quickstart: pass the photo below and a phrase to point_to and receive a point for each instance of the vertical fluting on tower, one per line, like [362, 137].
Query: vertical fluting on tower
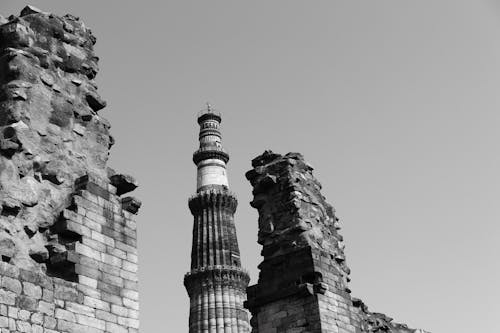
[216, 283]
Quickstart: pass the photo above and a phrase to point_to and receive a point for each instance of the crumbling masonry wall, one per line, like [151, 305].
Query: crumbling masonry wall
[303, 280]
[67, 231]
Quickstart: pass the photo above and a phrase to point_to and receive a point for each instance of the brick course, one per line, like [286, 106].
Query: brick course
[104, 295]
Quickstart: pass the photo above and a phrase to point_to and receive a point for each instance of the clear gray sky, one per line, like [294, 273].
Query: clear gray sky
[396, 104]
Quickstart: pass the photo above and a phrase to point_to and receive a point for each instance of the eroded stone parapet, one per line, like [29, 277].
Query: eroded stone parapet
[50, 133]
[293, 213]
[68, 241]
[303, 279]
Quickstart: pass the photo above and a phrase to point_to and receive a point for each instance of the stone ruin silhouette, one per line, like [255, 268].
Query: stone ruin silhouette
[303, 280]
[67, 230]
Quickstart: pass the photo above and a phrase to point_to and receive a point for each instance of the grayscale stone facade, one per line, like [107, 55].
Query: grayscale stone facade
[67, 231]
[303, 280]
[216, 283]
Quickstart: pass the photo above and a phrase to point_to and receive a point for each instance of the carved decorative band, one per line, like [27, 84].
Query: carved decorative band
[218, 198]
[205, 154]
[209, 131]
[209, 115]
[216, 275]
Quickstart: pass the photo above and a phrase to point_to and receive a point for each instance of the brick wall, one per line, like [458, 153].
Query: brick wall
[91, 280]
[68, 252]
[303, 279]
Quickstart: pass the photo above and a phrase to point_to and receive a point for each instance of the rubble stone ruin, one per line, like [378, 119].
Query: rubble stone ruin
[67, 230]
[303, 280]
[68, 257]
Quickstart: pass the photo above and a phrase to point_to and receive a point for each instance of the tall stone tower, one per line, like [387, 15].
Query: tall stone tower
[216, 283]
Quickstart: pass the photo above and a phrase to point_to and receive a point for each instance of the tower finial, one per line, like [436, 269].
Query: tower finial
[209, 107]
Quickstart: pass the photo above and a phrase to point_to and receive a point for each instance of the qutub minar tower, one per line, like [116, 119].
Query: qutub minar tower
[216, 283]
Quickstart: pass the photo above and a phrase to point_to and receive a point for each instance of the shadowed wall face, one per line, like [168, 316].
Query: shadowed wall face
[67, 233]
[303, 280]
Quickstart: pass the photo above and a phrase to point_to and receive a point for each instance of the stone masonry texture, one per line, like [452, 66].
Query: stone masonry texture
[68, 255]
[216, 283]
[303, 280]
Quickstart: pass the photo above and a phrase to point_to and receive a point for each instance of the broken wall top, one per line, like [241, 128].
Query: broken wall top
[304, 261]
[50, 131]
[292, 211]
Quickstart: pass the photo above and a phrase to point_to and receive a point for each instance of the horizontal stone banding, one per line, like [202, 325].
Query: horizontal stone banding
[206, 115]
[208, 153]
[216, 275]
[213, 197]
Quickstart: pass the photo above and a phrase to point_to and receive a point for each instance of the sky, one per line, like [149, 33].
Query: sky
[395, 103]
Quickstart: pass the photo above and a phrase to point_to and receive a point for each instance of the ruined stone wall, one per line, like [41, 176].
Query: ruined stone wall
[67, 233]
[303, 280]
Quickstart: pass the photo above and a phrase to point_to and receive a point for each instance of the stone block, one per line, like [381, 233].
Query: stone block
[24, 315]
[11, 284]
[37, 318]
[26, 303]
[115, 328]
[131, 204]
[123, 183]
[119, 310]
[79, 308]
[90, 321]
[65, 315]
[66, 293]
[106, 316]
[49, 322]
[32, 290]
[96, 303]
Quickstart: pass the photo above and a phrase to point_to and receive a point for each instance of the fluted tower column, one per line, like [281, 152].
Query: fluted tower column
[216, 283]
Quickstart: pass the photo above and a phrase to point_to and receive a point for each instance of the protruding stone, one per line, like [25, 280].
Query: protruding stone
[95, 101]
[123, 183]
[19, 94]
[56, 88]
[131, 204]
[39, 253]
[47, 79]
[79, 129]
[8, 147]
[28, 10]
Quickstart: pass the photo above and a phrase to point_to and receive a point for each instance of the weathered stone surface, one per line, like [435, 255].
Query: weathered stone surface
[303, 280]
[131, 204]
[30, 10]
[49, 132]
[67, 239]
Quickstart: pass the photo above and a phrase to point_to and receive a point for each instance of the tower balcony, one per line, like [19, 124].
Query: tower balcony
[209, 152]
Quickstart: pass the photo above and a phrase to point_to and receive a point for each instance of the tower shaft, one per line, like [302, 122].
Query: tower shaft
[216, 283]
